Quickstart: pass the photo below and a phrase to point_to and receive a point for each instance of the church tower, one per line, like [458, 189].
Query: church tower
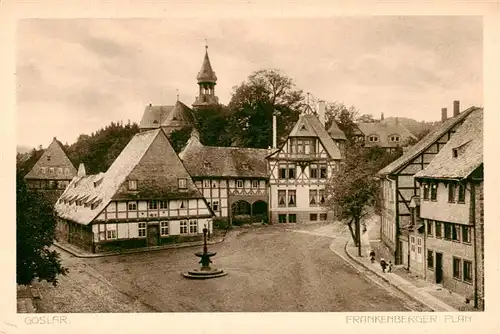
[206, 82]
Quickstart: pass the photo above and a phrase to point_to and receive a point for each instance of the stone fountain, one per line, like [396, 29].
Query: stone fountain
[205, 271]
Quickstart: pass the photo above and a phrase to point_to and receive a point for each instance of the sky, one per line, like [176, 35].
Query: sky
[75, 76]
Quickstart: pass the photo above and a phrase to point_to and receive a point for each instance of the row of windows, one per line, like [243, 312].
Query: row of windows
[452, 192]
[462, 269]
[185, 227]
[303, 145]
[292, 217]
[47, 184]
[181, 184]
[239, 183]
[55, 170]
[392, 138]
[284, 200]
[449, 231]
[288, 171]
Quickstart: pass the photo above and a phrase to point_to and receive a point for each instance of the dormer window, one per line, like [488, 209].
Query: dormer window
[394, 138]
[455, 153]
[182, 183]
[373, 139]
[132, 184]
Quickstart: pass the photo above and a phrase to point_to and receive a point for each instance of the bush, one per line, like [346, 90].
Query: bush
[221, 224]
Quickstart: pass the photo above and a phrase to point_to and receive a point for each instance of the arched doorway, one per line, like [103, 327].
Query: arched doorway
[259, 208]
[241, 208]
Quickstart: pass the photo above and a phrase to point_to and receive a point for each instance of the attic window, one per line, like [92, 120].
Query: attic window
[303, 128]
[182, 183]
[394, 138]
[455, 153]
[48, 157]
[174, 118]
[155, 122]
[206, 164]
[132, 184]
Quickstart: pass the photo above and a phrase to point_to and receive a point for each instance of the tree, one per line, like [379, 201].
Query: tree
[35, 232]
[99, 150]
[179, 138]
[366, 118]
[345, 118]
[352, 191]
[253, 103]
[213, 124]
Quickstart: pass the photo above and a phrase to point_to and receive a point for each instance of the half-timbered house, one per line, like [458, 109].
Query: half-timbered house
[398, 184]
[389, 135]
[451, 188]
[233, 180]
[145, 198]
[299, 170]
[52, 172]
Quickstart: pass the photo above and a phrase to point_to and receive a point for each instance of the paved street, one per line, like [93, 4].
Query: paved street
[270, 269]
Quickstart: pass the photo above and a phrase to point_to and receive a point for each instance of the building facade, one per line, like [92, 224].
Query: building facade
[145, 198]
[233, 180]
[298, 173]
[399, 186]
[52, 173]
[451, 209]
[387, 135]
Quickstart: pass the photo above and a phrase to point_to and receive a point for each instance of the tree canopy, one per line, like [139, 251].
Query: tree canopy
[213, 125]
[253, 103]
[35, 232]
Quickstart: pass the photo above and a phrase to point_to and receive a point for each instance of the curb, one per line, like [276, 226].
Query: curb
[433, 308]
[138, 250]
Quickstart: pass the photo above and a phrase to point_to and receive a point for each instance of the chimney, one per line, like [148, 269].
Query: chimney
[275, 138]
[81, 170]
[321, 112]
[444, 114]
[397, 120]
[382, 116]
[456, 108]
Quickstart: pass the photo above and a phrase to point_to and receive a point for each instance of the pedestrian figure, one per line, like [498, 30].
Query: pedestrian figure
[372, 256]
[383, 264]
[389, 268]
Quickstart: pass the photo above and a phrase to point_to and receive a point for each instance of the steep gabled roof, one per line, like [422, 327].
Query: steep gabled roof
[214, 161]
[149, 159]
[314, 128]
[424, 143]
[178, 115]
[335, 132]
[54, 156]
[383, 130]
[467, 142]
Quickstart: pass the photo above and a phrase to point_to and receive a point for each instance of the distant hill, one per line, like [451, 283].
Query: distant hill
[412, 125]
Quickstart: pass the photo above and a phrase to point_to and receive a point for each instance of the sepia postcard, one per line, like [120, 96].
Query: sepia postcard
[250, 167]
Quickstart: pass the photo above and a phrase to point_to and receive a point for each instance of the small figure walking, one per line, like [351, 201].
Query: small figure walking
[372, 256]
[389, 268]
[383, 264]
